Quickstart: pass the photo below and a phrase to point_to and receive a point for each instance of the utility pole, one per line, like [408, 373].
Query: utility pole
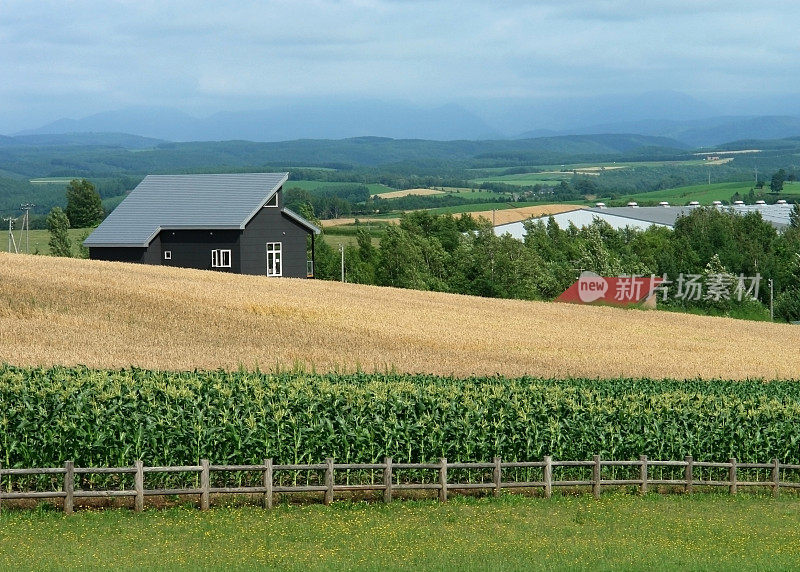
[341, 250]
[26, 226]
[771, 310]
[11, 240]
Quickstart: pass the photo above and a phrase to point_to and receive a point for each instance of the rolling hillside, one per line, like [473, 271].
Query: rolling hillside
[65, 311]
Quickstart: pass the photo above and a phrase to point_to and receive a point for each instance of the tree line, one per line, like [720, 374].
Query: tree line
[463, 255]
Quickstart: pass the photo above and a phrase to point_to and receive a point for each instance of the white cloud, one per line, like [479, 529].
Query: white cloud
[75, 57]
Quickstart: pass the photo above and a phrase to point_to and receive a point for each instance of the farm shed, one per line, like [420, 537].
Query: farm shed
[227, 222]
[641, 218]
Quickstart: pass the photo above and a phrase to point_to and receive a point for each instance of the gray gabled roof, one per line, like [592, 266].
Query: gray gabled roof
[656, 215]
[220, 201]
[303, 221]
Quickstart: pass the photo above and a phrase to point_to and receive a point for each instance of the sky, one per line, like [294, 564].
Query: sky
[73, 59]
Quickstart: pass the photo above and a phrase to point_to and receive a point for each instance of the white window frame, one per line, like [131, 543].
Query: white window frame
[167, 255]
[272, 202]
[271, 253]
[220, 258]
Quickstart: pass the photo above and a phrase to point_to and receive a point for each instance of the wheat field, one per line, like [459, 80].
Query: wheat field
[103, 314]
[500, 216]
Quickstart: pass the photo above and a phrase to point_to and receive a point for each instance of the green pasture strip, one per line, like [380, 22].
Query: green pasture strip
[334, 240]
[464, 194]
[51, 181]
[39, 240]
[478, 207]
[513, 532]
[374, 188]
[706, 194]
[525, 179]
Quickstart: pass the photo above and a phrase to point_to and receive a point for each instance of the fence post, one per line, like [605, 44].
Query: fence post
[69, 486]
[643, 474]
[1, 488]
[776, 477]
[548, 476]
[138, 485]
[329, 480]
[596, 476]
[443, 479]
[732, 477]
[205, 484]
[267, 483]
[496, 476]
[689, 474]
[387, 479]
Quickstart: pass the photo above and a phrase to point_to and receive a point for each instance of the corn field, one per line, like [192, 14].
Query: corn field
[111, 418]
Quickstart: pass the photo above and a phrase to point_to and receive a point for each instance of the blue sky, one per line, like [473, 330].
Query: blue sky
[72, 59]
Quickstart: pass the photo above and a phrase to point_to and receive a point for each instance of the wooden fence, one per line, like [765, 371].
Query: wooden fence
[389, 483]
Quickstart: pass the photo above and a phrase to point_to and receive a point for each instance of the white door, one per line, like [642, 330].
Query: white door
[274, 259]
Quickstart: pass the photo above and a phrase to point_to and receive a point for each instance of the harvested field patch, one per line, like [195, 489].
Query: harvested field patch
[407, 192]
[505, 216]
[104, 314]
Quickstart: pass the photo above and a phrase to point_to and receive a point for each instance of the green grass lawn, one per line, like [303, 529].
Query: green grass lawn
[618, 532]
[526, 179]
[552, 174]
[334, 240]
[39, 240]
[478, 207]
[374, 188]
[61, 181]
[705, 194]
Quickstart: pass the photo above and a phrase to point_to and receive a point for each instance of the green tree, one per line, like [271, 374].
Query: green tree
[776, 184]
[787, 305]
[58, 225]
[84, 207]
[327, 262]
[794, 216]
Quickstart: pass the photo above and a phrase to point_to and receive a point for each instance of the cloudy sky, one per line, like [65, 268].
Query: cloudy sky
[72, 59]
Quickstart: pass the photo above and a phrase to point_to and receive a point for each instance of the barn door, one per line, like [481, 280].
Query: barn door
[274, 259]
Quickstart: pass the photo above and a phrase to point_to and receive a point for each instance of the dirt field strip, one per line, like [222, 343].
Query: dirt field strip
[103, 314]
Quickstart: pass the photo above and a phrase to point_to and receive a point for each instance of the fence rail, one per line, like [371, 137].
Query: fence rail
[390, 482]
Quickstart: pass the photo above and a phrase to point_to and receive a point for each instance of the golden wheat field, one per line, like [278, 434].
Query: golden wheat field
[501, 216]
[102, 314]
[505, 216]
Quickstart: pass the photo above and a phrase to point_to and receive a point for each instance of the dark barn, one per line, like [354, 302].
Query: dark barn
[227, 222]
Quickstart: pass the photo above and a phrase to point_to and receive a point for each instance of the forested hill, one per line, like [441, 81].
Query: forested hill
[116, 154]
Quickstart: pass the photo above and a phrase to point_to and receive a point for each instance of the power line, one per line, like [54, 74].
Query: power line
[11, 240]
[26, 226]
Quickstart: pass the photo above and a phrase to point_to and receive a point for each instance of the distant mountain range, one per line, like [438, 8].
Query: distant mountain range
[698, 132]
[671, 115]
[83, 139]
[286, 123]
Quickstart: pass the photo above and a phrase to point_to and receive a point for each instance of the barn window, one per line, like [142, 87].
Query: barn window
[220, 258]
[274, 259]
[167, 255]
[272, 202]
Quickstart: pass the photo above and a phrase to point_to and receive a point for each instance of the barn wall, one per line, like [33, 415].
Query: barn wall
[192, 248]
[117, 254]
[271, 225]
